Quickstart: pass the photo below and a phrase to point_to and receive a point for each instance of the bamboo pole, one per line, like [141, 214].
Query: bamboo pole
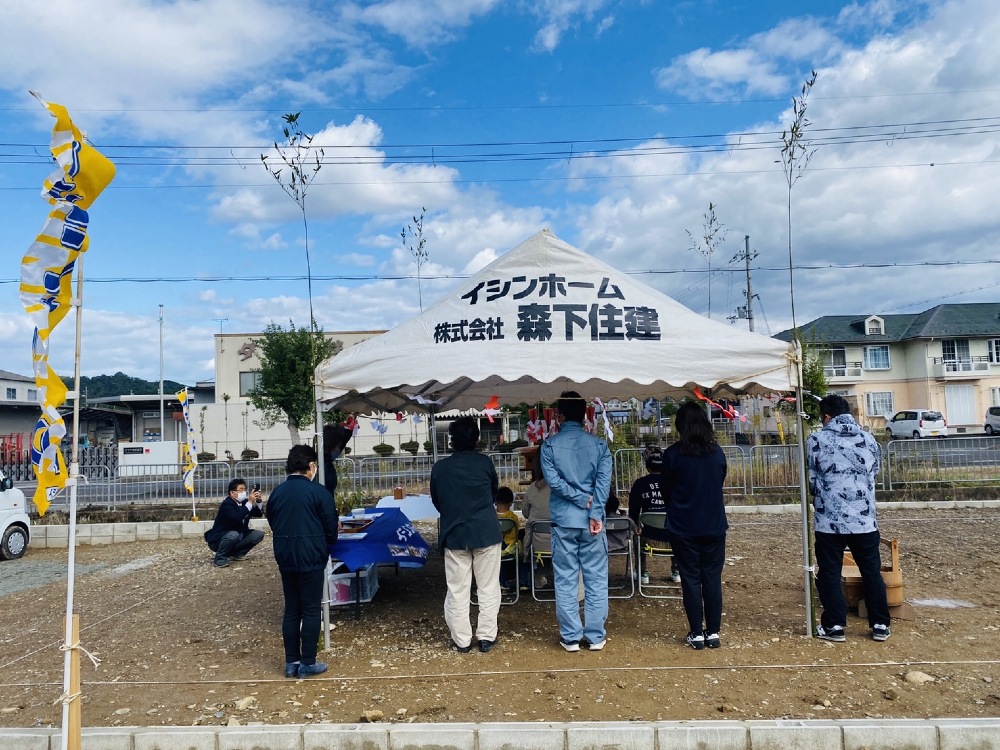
[74, 740]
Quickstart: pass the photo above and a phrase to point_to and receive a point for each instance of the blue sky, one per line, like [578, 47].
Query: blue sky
[612, 122]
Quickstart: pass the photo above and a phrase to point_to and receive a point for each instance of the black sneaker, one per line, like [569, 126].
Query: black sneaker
[570, 645]
[291, 669]
[880, 633]
[486, 646]
[308, 670]
[834, 633]
[461, 649]
[222, 562]
[695, 640]
[712, 640]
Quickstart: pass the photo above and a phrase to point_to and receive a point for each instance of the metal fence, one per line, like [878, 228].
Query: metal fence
[953, 460]
[751, 470]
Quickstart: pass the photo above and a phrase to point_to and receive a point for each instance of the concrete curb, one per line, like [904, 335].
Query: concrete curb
[859, 734]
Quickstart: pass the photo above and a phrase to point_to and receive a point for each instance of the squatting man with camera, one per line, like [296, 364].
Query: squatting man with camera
[231, 537]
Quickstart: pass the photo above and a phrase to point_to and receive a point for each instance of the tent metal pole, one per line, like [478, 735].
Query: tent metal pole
[434, 442]
[803, 494]
[319, 443]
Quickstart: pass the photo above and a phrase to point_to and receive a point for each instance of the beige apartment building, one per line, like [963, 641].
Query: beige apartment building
[946, 358]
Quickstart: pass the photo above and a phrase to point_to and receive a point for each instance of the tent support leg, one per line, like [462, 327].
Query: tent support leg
[804, 502]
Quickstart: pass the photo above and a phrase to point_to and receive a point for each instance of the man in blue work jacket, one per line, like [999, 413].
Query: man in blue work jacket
[577, 467]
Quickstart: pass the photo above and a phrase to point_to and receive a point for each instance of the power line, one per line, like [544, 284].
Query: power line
[695, 286]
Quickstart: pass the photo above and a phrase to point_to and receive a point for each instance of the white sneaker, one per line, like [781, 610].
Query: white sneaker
[644, 579]
[675, 576]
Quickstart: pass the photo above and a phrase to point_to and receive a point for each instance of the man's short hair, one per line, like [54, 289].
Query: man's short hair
[299, 458]
[834, 405]
[572, 406]
[464, 434]
[234, 483]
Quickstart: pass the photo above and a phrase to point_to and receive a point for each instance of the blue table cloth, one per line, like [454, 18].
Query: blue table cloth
[389, 538]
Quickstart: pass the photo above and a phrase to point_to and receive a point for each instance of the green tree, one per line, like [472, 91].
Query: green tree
[288, 358]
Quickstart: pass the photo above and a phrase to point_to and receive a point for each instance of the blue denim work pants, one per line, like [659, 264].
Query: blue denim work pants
[576, 551]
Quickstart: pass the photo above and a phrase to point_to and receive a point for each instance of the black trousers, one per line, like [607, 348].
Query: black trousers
[830, 560]
[699, 561]
[303, 607]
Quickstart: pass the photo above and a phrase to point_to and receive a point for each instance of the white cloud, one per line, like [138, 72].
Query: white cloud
[559, 16]
[359, 260]
[421, 23]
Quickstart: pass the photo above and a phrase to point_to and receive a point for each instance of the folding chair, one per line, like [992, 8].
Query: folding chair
[506, 524]
[510, 554]
[540, 550]
[647, 552]
[624, 529]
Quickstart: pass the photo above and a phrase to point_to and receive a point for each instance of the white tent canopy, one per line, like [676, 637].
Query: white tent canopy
[543, 318]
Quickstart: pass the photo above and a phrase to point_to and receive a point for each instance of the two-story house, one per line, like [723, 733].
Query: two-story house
[946, 358]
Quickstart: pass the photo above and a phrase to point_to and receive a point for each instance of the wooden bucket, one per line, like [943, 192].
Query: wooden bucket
[891, 573]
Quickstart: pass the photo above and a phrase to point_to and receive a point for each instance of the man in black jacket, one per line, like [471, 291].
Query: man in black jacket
[304, 524]
[231, 537]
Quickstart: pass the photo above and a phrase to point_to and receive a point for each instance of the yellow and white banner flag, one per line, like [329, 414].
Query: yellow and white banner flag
[46, 283]
[192, 446]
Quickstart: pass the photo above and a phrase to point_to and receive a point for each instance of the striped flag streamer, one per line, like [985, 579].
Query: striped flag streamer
[192, 446]
[46, 280]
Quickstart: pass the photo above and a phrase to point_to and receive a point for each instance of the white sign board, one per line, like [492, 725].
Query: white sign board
[149, 459]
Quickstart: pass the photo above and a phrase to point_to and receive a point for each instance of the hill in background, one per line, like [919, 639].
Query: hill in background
[121, 384]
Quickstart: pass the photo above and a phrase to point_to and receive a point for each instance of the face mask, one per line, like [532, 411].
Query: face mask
[241, 496]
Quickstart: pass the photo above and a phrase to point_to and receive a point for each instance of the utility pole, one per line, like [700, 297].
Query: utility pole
[746, 256]
[162, 435]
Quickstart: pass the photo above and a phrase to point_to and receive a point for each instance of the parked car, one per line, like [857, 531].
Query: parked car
[917, 423]
[14, 524]
[992, 424]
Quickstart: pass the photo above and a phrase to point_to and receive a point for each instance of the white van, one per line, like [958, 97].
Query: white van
[15, 527]
[917, 423]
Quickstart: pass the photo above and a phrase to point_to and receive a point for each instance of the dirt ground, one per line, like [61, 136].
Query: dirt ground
[183, 643]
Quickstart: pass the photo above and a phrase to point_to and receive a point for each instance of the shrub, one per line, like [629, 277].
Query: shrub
[410, 446]
[428, 446]
[249, 454]
[206, 456]
[383, 449]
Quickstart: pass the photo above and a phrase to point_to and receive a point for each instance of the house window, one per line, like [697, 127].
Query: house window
[12, 394]
[878, 403]
[955, 354]
[994, 396]
[877, 357]
[994, 347]
[32, 394]
[875, 326]
[834, 362]
[249, 382]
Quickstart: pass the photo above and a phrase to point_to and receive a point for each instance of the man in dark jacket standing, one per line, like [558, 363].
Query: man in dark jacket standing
[231, 537]
[304, 524]
[463, 488]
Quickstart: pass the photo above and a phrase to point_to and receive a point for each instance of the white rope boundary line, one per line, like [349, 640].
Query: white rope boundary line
[504, 673]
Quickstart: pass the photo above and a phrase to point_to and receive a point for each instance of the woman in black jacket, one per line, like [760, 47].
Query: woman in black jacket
[694, 470]
[304, 524]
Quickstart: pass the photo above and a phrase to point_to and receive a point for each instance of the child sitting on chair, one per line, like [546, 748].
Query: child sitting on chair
[504, 504]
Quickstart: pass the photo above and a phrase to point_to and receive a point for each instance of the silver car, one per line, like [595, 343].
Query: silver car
[917, 423]
[992, 422]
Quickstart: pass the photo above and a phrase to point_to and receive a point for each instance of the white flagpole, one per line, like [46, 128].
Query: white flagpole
[74, 472]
